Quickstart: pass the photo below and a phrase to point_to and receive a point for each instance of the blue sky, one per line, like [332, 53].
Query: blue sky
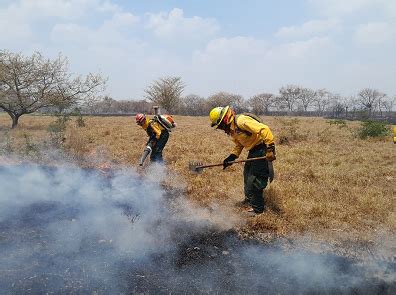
[243, 47]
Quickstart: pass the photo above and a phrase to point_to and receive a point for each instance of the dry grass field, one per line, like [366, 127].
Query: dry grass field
[330, 186]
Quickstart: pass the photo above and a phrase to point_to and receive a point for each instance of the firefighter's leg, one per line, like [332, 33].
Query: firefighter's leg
[257, 201]
[159, 147]
[257, 177]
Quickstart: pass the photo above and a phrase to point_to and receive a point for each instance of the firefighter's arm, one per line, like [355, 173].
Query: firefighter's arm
[268, 139]
[266, 135]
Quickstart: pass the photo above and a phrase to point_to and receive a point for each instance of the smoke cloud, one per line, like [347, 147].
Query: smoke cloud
[73, 230]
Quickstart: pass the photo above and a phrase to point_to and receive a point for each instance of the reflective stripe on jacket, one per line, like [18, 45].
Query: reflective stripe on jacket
[246, 132]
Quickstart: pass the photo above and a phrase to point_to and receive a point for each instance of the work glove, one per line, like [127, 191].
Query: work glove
[230, 158]
[270, 152]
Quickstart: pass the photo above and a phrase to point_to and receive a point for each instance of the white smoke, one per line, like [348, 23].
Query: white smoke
[73, 230]
[66, 211]
[99, 201]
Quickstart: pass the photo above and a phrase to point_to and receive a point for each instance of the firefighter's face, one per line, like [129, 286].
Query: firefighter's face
[225, 127]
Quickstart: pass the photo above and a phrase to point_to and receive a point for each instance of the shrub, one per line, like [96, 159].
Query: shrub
[338, 122]
[289, 131]
[372, 129]
[57, 130]
[77, 143]
[80, 122]
[30, 147]
[6, 144]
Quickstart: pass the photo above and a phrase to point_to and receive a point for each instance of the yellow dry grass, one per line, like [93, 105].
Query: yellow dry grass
[329, 185]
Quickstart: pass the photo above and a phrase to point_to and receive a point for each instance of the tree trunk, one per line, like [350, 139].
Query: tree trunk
[15, 119]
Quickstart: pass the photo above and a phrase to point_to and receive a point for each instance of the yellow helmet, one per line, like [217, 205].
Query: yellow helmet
[218, 114]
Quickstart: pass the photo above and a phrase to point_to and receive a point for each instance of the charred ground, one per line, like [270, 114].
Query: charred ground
[197, 258]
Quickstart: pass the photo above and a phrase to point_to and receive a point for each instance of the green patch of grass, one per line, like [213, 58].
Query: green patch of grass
[372, 129]
[338, 122]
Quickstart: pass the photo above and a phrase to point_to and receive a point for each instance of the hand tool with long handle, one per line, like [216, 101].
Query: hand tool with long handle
[198, 167]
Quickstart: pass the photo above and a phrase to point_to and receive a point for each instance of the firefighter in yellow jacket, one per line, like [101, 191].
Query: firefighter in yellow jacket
[248, 132]
[158, 137]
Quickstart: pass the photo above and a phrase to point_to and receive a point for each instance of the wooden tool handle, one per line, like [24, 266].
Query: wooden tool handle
[232, 162]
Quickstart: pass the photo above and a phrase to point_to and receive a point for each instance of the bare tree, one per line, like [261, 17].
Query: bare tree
[124, 106]
[337, 105]
[109, 105]
[105, 106]
[369, 98]
[30, 83]
[166, 92]
[261, 103]
[193, 105]
[289, 96]
[388, 104]
[306, 98]
[142, 106]
[322, 100]
[385, 104]
[222, 98]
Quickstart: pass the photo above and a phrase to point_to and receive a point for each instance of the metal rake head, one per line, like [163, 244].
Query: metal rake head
[195, 167]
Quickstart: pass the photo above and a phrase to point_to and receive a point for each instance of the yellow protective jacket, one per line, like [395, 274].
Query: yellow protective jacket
[246, 132]
[153, 128]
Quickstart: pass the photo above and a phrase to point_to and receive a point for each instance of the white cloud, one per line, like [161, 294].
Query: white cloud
[305, 49]
[20, 33]
[375, 33]
[310, 29]
[174, 25]
[27, 11]
[132, 50]
[122, 19]
[72, 33]
[236, 45]
[343, 7]
[108, 6]
[25, 21]
[233, 50]
[109, 34]
[255, 66]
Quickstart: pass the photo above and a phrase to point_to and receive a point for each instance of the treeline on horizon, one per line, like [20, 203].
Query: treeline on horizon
[291, 100]
[30, 84]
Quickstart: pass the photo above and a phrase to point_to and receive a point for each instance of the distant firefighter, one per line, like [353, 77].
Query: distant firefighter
[394, 134]
[158, 134]
[248, 131]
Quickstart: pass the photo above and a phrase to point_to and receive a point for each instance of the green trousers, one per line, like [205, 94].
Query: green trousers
[255, 177]
[156, 154]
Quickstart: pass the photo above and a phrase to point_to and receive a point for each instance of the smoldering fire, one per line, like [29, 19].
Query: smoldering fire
[74, 230]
